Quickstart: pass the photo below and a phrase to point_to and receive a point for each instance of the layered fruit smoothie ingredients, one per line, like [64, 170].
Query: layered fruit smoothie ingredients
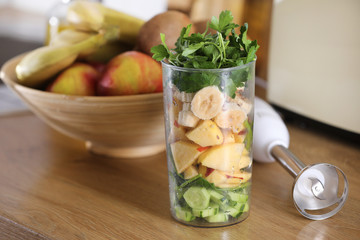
[208, 95]
[209, 139]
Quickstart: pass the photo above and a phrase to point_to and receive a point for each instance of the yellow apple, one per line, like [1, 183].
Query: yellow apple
[78, 79]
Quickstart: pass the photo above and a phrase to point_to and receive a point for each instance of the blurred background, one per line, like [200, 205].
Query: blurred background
[23, 23]
[307, 64]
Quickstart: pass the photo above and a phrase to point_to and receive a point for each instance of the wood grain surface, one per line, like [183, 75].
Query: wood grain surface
[52, 188]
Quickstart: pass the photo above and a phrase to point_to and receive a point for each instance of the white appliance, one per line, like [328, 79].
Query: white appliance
[316, 186]
[314, 60]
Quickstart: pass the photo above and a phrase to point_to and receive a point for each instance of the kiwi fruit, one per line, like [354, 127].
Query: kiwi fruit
[170, 23]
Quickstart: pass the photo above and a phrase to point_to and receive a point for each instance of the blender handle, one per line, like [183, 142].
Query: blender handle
[271, 139]
[321, 180]
[269, 131]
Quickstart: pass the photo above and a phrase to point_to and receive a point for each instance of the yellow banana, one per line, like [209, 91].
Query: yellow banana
[93, 16]
[106, 52]
[100, 55]
[69, 36]
[44, 62]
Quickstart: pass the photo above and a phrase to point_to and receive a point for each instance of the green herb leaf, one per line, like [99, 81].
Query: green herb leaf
[192, 48]
[253, 47]
[193, 82]
[243, 36]
[230, 88]
[224, 49]
[224, 23]
[214, 23]
[159, 52]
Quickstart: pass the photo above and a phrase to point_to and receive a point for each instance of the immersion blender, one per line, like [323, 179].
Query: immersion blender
[316, 186]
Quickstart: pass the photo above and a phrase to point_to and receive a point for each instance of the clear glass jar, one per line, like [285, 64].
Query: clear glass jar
[208, 123]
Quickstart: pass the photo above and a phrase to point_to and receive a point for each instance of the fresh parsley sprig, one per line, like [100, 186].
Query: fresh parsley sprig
[224, 49]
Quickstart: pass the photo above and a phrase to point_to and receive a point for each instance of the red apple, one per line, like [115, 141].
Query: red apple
[100, 67]
[78, 79]
[131, 72]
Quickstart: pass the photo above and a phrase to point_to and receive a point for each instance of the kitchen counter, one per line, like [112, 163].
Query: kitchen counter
[52, 188]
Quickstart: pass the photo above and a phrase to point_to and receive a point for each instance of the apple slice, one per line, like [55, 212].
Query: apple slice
[216, 177]
[236, 177]
[212, 175]
[176, 133]
[228, 136]
[223, 157]
[190, 172]
[207, 133]
[184, 154]
[224, 179]
[245, 161]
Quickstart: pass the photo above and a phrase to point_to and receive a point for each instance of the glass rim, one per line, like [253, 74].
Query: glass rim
[185, 69]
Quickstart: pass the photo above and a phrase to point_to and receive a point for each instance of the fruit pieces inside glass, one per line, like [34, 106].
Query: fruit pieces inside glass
[209, 138]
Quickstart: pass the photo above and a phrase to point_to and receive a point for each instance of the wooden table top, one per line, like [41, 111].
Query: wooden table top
[52, 188]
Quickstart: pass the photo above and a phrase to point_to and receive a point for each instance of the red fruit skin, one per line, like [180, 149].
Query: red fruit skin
[129, 73]
[100, 67]
[201, 149]
[209, 171]
[79, 79]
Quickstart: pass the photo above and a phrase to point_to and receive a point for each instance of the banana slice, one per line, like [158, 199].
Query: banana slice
[207, 102]
[187, 118]
[241, 100]
[182, 96]
[244, 104]
[186, 106]
[231, 118]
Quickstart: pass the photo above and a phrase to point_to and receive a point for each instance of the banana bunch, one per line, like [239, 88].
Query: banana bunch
[69, 37]
[44, 62]
[102, 54]
[93, 16]
[94, 34]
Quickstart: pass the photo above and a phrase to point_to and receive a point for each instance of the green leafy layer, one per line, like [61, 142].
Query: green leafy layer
[225, 49]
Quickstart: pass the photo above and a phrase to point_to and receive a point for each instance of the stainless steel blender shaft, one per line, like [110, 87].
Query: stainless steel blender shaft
[287, 159]
[315, 186]
[294, 166]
